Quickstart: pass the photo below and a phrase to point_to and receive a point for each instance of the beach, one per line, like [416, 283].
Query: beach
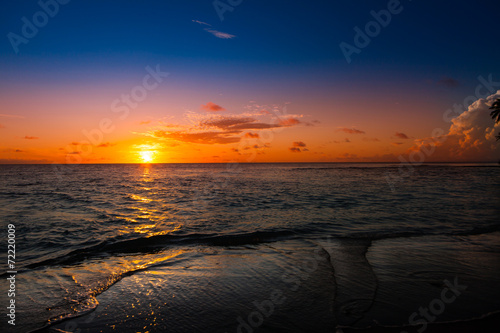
[274, 248]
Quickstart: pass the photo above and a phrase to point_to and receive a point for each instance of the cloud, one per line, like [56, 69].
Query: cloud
[212, 107]
[298, 144]
[106, 145]
[346, 140]
[289, 122]
[220, 129]
[200, 137]
[396, 143]
[350, 130]
[252, 135]
[145, 122]
[401, 135]
[371, 139]
[471, 136]
[30, 137]
[19, 151]
[201, 22]
[11, 116]
[225, 122]
[294, 149]
[220, 34]
[448, 82]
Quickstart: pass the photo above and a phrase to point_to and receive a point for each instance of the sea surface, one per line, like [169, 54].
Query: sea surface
[249, 247]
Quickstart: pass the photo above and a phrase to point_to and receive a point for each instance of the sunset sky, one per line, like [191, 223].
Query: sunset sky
[257, 81]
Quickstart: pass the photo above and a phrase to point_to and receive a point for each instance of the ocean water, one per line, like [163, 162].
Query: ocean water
[249, 247]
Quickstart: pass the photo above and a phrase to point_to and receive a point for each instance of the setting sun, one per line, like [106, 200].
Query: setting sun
[147, 156]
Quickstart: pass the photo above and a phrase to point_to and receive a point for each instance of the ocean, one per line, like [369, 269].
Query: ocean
[249, 247]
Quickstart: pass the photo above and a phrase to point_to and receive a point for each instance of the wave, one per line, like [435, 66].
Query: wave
[119, 245]
[158, 242]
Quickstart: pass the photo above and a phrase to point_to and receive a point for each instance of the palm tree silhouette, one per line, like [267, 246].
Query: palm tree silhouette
[496, 113]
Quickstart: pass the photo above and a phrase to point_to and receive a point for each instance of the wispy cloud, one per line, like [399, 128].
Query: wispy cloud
[31, 137]
[350, 130]
[298, 144]
[448, 82]
[219, 34]
[11, 116]
[106, 145]
[202, 23]
[289, 121]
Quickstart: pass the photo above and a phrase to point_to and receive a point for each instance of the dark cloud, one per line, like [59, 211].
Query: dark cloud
[252, 135]
[294, 149]
[401, 136]
[298, 144]
[106, 144]
[350, 130]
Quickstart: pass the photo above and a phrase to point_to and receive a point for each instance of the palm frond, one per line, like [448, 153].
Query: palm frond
[496, 111]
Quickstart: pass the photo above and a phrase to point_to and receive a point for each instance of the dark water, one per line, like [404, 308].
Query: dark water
[253, 247]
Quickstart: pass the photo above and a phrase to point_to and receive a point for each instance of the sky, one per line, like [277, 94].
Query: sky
[185, 81]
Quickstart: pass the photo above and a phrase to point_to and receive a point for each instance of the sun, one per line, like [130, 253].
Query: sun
[147, 156]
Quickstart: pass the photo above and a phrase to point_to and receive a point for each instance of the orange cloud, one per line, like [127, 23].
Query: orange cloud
[202, 137]
[252, 135]
[371, 139]
[298, 144]
[350, 130]
[30, 137]
[212, 107]
[471, 137]
[294, 149]
[289, 122]
[144, 122]
[401, 135]
[396, 143]
[106, 144]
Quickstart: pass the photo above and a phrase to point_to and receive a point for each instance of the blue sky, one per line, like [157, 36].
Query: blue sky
[270, 51]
